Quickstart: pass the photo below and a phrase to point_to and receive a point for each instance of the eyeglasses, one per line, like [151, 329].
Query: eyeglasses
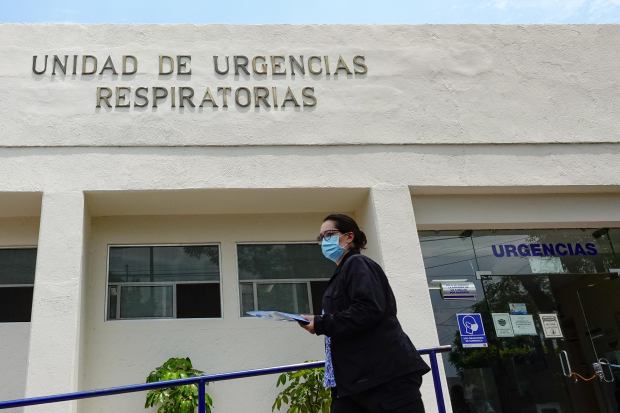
[326, 236]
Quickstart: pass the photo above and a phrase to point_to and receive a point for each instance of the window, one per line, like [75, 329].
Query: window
[282, 277]
[17, 267]
[164, 282]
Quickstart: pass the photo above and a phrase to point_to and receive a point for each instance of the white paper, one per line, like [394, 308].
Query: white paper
[503, 325]
[523, 325]
[551, 325]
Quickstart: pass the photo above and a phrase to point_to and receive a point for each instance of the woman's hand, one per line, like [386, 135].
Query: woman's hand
[310, 326]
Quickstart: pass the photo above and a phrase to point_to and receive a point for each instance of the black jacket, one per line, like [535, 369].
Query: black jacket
[368, 345]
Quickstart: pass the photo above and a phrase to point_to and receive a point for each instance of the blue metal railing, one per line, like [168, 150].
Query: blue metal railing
[202, 380]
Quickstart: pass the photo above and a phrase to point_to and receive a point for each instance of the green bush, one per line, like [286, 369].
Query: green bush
[181, 399]
[305, 392]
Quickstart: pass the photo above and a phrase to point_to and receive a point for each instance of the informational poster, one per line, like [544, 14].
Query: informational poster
[551, 325]
[517, 308]
[503, 325]
[472, 330]
[458, 291]
[523, 325]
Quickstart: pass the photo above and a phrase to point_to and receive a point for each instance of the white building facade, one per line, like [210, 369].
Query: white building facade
[160, 180]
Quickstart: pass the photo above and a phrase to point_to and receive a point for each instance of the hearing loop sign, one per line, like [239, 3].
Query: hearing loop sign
[472, 330]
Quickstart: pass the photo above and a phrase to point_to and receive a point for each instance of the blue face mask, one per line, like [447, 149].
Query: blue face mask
[331, 248]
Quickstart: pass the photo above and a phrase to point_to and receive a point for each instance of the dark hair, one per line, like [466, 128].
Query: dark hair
[346, 224]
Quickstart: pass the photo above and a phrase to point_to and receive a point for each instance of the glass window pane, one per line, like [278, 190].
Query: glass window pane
[283, 261]
[198, 300]
[146, 302]
[112, 303]
[285, 297]
[317, 289]
[158, 264]
[15, 304]
[17, 265]
[507, 252]
[447, 253]
[247, 299]
[538, 251]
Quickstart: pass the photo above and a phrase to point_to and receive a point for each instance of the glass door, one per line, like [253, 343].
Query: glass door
[535, 367]
[474, 375]
[598, 296]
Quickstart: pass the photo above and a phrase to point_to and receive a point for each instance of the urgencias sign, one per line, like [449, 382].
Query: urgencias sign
[543, 250]
[185, 96]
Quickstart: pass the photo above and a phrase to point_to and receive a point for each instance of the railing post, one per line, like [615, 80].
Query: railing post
[202, 404]
[441, 406]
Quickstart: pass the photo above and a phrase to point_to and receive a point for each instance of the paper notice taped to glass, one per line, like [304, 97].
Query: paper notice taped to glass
[503, 325]
[551, 325]
[278, 316]
[523, 325]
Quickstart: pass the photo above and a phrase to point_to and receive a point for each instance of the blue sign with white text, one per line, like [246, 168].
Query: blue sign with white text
[472, 330]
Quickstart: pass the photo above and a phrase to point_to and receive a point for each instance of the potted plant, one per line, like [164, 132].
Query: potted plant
[181, 399]
[305, 392]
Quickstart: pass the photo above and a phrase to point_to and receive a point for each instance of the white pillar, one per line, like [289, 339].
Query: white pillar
[56, 310]
[393, 242]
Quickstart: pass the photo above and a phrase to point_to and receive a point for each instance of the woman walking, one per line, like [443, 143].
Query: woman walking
[371, 365]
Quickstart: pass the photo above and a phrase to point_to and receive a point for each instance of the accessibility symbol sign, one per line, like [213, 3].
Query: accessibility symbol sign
[472, 330]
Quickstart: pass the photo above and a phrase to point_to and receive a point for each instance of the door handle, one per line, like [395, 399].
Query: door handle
[605, 362]
[567, 363]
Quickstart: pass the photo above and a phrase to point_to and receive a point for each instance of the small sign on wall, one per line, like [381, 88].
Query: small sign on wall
[551, 325]
[503, 325]
[523, 325]
[458, 291]
[472, 330]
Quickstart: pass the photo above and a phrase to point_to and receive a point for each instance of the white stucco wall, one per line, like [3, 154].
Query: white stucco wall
[441, 169]
[14, 337]
[525, 211]
[425, 84]
[55, 333]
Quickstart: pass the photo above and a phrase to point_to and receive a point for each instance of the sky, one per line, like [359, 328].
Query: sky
[310, 11]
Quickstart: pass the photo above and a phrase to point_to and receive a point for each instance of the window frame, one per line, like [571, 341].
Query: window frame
[21, 247]
[306, 281]
[159, 284]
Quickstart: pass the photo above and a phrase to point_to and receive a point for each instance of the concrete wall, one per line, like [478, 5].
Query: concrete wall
[425, 84]
[15, 337]
[125, 352]
[486, 211]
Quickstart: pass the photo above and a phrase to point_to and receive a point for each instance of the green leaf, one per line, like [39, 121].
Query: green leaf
[305, 392]
[180, 399]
